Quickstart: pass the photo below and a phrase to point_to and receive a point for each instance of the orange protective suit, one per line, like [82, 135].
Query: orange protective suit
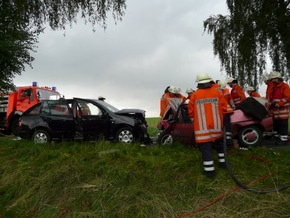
[238, 94]
[207, 107]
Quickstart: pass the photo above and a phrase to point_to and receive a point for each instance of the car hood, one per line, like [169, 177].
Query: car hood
[131, 112]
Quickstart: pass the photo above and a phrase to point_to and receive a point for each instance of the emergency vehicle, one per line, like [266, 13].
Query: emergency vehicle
[14, 104]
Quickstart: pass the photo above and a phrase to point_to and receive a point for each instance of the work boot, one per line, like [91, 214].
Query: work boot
[209, 174]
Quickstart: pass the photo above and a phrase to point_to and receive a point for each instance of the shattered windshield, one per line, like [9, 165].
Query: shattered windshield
[43, 94]
[110, 107]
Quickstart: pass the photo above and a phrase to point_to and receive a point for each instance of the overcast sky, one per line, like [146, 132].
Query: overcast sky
[158, 43]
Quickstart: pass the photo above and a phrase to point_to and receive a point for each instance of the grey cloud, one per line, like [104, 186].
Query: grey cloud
[158, 43]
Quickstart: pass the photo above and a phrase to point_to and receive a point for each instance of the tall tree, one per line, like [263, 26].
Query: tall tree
[252, 33]
[17, 40]
[21, 22]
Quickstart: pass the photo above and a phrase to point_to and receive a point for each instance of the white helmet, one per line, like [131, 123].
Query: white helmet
[230, 79]
[177, 90]
[265, 77]
[171, 89]
[203, 78]
[222, 84]
[189, 90]
[250, 89]
[274, 75]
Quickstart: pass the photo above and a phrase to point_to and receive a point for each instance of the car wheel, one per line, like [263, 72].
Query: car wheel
[165, 138]
[250, 136]
[125, 135]
[41, 136]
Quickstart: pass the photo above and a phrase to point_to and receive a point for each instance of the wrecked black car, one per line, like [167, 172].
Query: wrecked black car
[82, 119]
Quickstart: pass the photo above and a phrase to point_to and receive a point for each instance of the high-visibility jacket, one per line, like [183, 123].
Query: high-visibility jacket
[254, 94]
[227, 95]
[164, 103]
[182, 97]
[237, 94]
[280, 98]
[269, 90]
[206, 107]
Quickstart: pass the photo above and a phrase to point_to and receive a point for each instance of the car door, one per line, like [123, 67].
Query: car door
[183, 130]
[57, 115]
[91, 117]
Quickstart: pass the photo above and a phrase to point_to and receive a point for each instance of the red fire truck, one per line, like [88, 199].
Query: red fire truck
[13, 104]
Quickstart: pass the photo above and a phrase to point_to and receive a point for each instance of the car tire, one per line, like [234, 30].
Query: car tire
[125, 135]
[164, 138]
[41, 136]
[250, 136]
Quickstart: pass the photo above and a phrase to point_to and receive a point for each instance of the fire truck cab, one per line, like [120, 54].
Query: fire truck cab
[13, 104]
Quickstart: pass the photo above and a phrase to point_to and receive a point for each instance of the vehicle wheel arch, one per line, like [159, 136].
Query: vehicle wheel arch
[165, 138]
[125, 134]
[244, 140]
[42, 128]
[13, 118]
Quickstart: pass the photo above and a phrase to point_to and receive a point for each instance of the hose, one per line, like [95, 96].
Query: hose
[246, 187]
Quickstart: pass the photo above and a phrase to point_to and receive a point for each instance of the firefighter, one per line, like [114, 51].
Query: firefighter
[23, 95]
[227, 116]
[269, 84]
[252, 92]
[206, 107]
[169, 93]
[280, 101]
[163, 101]
[189, 92]
[179, 95]
[237, 92]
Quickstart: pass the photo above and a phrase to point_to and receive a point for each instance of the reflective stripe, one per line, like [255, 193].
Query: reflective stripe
[207, 136]
[208, 131]
[221, 157]
[208, 168]
[208, 162]
[202, 114]
[284, 138]
[281, 113]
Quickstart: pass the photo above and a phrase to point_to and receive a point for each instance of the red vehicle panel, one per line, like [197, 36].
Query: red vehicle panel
[179, 128]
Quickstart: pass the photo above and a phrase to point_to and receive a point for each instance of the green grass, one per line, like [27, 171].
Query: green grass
[105, 179]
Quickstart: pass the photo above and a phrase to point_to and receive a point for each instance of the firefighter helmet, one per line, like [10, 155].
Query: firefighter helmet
[265, 77]
[178, 91]
[203, 78]
[250, 89]
[274, 75]
[222, 84]
[189, 90]
[230, 80]
[171, 89]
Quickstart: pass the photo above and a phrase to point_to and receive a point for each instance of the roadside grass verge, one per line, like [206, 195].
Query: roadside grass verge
[102, 179]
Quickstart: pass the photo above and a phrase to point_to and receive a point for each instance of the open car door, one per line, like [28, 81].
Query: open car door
[183, 131]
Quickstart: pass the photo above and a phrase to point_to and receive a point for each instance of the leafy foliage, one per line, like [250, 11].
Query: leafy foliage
[17, 39]
[62, 12]
[245, 38]
[21, 22]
